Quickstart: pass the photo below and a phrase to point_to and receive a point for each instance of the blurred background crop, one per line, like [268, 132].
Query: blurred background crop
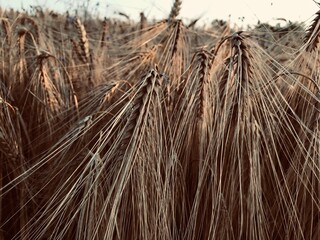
[241, 12]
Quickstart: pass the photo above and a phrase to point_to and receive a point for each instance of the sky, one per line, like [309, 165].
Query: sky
[241, 12]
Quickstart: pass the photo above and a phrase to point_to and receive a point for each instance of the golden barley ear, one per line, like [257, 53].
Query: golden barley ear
[105, 28]
[202, 67]
[143, 21]
[26, 36]
[30, 25]
[175, 10]
[85, 55]
[24, 52]
[84, 41]
[174, 56]
[240, 108]
[312, 36]
[132, 145]
[190, 125]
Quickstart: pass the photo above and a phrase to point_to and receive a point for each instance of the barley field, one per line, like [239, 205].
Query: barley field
[114, 129]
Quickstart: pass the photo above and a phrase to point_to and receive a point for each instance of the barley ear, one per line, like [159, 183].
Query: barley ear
[143, 21]
[105, 27]
[84, 42]
[312, 36]
[175, 10]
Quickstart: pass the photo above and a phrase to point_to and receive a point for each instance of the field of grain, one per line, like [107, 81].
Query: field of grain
[113, 129]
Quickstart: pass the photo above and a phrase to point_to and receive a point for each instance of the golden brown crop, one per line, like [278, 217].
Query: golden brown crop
[121, 130]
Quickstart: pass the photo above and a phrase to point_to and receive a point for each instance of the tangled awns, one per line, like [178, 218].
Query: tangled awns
[114, 129]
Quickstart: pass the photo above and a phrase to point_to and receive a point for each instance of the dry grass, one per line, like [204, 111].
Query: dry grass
[120, 130]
